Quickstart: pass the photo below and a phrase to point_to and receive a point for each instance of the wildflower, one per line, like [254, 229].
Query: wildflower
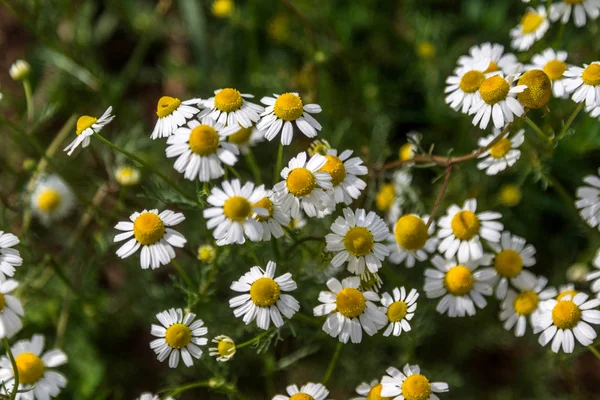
[411, 240]
[310, 391]
[127, 176]
[229, 108]
[51, 199]
[497, 102]
[595, 275]
[275, 220]
[9, 257]
[319, 146]
[594, 111]
[584, 83]
[246, 138]
[407, 151]
[506, 63]
[86, 127]
[588, 200]
[207, 253]
[425, 50]
[225, 349]
[463, 86]
[410, 384]
[344, 172]
[150, 396]
[173, 113]
[577, 273]
[510, 195]
[11, 310]
[399, 309]
[369, 391]
[297, 223]
[19, 70]
[533, 26]
[539, 89]
[503, 154]
[578, 8]
[554, 65]
[223, 8]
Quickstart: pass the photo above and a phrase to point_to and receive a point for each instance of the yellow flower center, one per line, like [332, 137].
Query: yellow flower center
[459, 280]
[465, 225]
[206, 253]
[591, 75]
[375, 393]
[510, 195]
[508, 263]
[48, 200]
[288, 107]
[565, 293]
[264, 292]
[350, 302]
[411, 232]
[148, 228]
[30, 368]
[178, 336]
[555, 69]
[302, 396]
[471, 81]
[242, 136]
[500, 149]
[2, 302]
[526, 302]
[566, 314]
[416, 387]
[531, 21]
[358, 241]
[267, 204]
[166, 106]
[237, 208]
[407, 151]
[84, 122]
[334, 167]
[204, 140]
[228, 100]
[396, 311]
[494, 89]
[493, 67]
[426, 50]
[300, 182]
[225, 348]
[222, 8]
[386, 196]
[539, 89]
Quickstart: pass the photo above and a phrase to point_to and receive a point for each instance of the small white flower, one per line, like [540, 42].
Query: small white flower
[150, 396]
[399, 310]
[498, 101]
[19, 70]
[86, 127]
[274, 222]
[584, 83]
[463, 86]
[594, 111]
[225, 349]
[368, 391]
[595, 275]
[507, 63]
[310, 391]
[127, 176]
[51, 199]
[412, 240]
[229, 107]
[9, 257]
[410, 384]
[501, 155]
[579, 8]
[588, 200]
[553, 63]
[11, 310]
[344, 171]
[533, 26]
[245, 138]
[297, 223]
[173, 113]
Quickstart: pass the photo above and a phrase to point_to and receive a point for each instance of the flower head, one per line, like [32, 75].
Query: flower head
[503, 154]
[584, 83]
[410, 384]
[207, 253]
[223, 8]
[275, 219]
[369, 391]
[310, 391]
[11, 310]
[533, 26]
[173, 113]
[554, 65]
[86, 127]
[127, 176]
[51, 199]
[411, 240]
[19, 70]
[563, 10]
[588, 200]
[230, 108]
[9, 257]
[399, 309]
[344, 172]
[225, 349]
[498, 101]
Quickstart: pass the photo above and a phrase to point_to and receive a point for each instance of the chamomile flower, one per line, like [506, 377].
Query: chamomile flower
[173, 113]
[51, 199]
[579, 8]
[389, 201]
[232, 211]
[297, 223]
[594, 111]
[245, 138]
[38, 380]
[349, 311]
[462, 88]
[275, 220]
[19, 70]
[262, 299]
[533, 26]
[595, 275]
[553, 63]
[399, 309]
[357, 239]
[524, 303]
[151, 231]
[201, 149]
[127, 176]
[410, 384]
[344, 172]
[461, 286]
[566, 290]
[207, 253]
[150, 396]
[179, 337]
[225, 349]
[411, 240]
[501, 155]
[498, 101]
[282, 111]
[9, 257]
[461, 230]
[560, 320]
[369, 391]
[506, 63]
[310, 391]
[584, 83]
[86, 127]
[304, 186]
[319, 146]
[229, 107]
[588, 200]
[11, 310]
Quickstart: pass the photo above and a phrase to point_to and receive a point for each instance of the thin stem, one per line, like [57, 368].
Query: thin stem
[29, 99]
[332, 363]
[234, 172]
[189, 386]
[440, 195]
[253, 254]
[278, 164]
[63, 277]
[254, 339]
[537, 129]
[15, 390]
[184, 275]
[251, 160]
[565, 128]
[594, 351]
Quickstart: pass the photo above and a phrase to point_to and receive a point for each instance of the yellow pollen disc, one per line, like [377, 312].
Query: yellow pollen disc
[267, 204]
[566, 314]
[2, 302]
[530, 22]
[375, 393]
[406, 152]
[396, 311]
[223, 8]
[416, 387]
[508, 263]
[411, 232]
[350, 302]
[459, 280]
[565, 293]
[500, 149]
[48, 200]
[228, 100]
[358, 241]
[226, 348]
[264, 292]
[493, 67]
[494, 89]
[555, 69]
[539, 89]
[30, 367]
[471, 81]
[591, 75]
[166, 106]
[302, 396]
[334, 167]
[526, 302]
[204, 140]
[300, 182]
[465, 225]
[84, 122]
[385, 197]
[288, 107]
[237, 208]
[510, 195]
[148, 228]
[178, 336]
[242, 136]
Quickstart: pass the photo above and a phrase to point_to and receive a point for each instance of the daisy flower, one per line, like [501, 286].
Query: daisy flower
[588, 200]
[579, 8]
[566, 290]
[150, 396]
[498, 101]
[462, 88]
[357, 239]
[389, 202]
[173, 113]
[310, 391]
[369, 391]
[11, 310]
[274, 222]
[297, 223]
[410, 384]
[399, 309]
[51, 199]
[501, 155]
[319, 146]
[570, 316]
[178, 337]
[86, 127]
[349, 310]
[229, 107]
[127, 176]
[152, 232]
[37, 378]
[411, 240]
[245, 138]
[506, 63]
[19, 70]
[533, 26]
[232, 211]
[344, 172]
[461, 229]
[201, 149]
[304, 186]
[595, 275]
[518, 306]
[282, 111]
[584, 83]
[594, 111]
[553, 63]
[461, 286]
[207, 253]
[225, 349]
[9, 257]
[262, 299]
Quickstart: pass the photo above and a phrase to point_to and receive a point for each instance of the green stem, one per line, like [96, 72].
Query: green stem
[253, 254]
[29, 98]
[333, 362]
[184, 275]
[15, 390]
[63, 277]
[537, 129]
[278, 164]
[594, 351]
[564, 129]
[251, 160]
[234, 172]
[254, 339]
[187, 387]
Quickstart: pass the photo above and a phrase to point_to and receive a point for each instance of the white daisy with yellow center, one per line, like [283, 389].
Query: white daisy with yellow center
[9, 257]
[229, 107]
[173, 113]
[498, 101]
[399, 309]
[201, 149]
[127, 176]
[275, 221]
[37, 377]
[11, 310]
[282, 112]
[588, 200]
[357, 239]
[410, 384]
[86, 127]
[310, 391]
[566, 290]
[207, 253]
[584, 84]
[595, 275]
[523, 304]
[412, 240]
[51, 199]
[245, 138]
[303, 186]
[296, 224]
[462, 88]
[151, 396]
[319, 146]
[151, 231]
[179, 336]
[461, 286]
[533, 26]
[498, 61]
[563, 9]
[461, 230]
[263, 299]
[345, 172]
[501, 155]
[349, 310]
[225, 349]
[370, 391]
[554, 64]
[562, 321]
[231, 216]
